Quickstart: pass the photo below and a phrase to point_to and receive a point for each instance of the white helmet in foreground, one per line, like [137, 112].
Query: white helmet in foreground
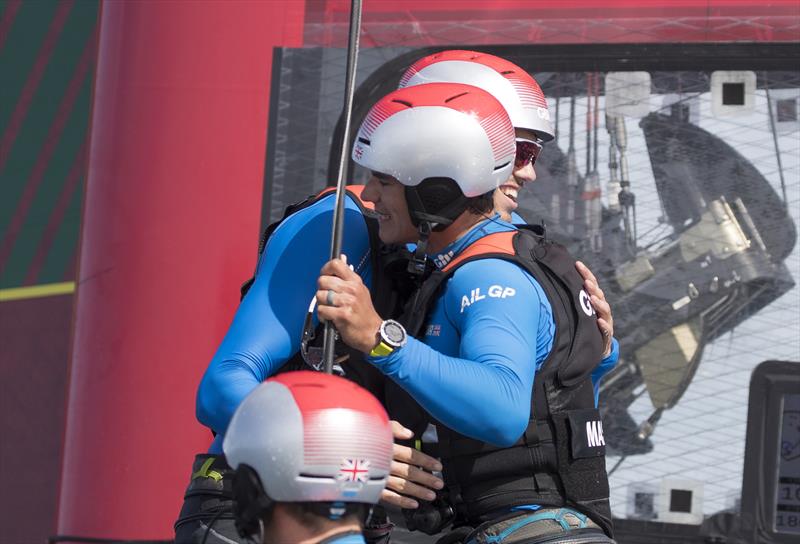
[446, 142]
[307, 437]
[519, 93]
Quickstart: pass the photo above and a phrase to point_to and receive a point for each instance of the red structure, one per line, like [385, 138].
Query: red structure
[172, 208]
[171, 217]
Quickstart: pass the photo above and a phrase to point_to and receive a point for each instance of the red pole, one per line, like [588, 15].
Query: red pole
[170, 227]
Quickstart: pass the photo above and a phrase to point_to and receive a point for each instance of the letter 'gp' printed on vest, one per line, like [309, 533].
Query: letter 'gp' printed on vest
[586, 430]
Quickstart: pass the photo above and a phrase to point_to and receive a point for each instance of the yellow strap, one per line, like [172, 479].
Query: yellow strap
[205, 473]
[381, 350]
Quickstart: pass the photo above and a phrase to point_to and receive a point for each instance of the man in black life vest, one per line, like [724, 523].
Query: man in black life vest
[501, 340]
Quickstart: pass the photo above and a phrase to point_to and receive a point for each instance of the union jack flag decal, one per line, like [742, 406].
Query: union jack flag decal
[354, 470]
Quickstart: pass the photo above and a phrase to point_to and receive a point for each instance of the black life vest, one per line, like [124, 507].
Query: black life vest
[560, 459]
[384, 290]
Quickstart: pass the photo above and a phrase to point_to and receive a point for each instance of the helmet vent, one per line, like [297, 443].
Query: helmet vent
[310, 475]
[364, 141]
[329, 477]
[455, 96]
[403, 102]
[506, 72]
[502, 166]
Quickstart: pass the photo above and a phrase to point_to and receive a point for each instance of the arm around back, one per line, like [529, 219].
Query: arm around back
[266, 329]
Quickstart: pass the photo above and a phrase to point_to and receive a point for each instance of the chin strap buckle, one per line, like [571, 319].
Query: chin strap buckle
[418, 261]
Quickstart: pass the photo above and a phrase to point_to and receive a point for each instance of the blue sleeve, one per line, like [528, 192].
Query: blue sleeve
[604, 368]
[485, 391]
[266, 329]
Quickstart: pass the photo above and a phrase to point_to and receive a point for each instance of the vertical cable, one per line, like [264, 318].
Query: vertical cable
[775, 140]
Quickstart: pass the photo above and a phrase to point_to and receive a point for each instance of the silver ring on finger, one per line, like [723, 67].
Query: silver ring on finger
[329, 298]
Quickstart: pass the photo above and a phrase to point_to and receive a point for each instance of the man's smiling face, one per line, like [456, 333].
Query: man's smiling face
[389, 197]
[507, 195]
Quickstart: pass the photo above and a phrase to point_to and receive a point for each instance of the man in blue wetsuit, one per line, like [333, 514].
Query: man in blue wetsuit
[311, 454]
[505, 351]
[264, 335]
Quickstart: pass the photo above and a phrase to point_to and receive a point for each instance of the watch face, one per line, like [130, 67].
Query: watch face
[394, 332]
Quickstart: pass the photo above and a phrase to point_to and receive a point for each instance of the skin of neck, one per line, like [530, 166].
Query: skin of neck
[285, 528]
[439, 240]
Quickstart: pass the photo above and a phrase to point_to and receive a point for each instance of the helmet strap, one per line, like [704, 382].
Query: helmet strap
[418, 260]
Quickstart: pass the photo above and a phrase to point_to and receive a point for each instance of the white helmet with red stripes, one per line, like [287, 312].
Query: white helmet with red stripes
[511, 85]
[312, 437]
[426, 134]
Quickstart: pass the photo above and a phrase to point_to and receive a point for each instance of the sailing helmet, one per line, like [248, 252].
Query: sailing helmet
[511, 85]
[446, 142]
[307, 437]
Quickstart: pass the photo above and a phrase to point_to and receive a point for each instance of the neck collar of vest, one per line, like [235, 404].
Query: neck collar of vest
[483, 228]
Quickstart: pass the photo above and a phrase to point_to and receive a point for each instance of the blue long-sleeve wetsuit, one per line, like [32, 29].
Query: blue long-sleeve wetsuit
[490, 349]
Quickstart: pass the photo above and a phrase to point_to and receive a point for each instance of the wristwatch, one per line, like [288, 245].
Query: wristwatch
[391, 336]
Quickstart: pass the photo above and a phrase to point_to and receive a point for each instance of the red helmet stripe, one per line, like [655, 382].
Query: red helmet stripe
[317, 397]
[529, 92]
[526, 87]
[377, 115]
[498, 128]
[313, 391]
[323, 444]
[411, 72]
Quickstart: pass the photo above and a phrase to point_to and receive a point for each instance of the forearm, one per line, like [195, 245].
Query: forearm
[605, 366]
[256, 345]
[486, 400]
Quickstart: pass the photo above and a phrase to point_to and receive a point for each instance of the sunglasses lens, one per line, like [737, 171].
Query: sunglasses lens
[527, 152]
